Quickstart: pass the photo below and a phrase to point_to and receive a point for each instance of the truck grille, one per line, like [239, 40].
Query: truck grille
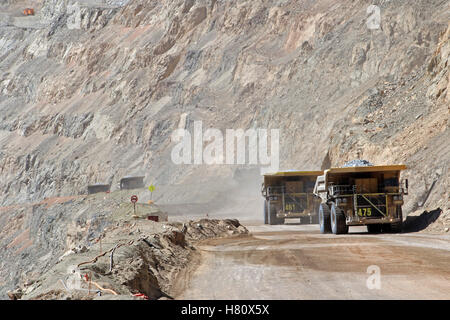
[295, 203]
[370, 206]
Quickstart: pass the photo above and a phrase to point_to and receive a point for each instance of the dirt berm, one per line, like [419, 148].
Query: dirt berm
[135, 260]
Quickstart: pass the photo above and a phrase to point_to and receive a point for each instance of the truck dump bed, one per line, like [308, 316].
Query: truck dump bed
[361, 196]
[367, 179]
[289, 195]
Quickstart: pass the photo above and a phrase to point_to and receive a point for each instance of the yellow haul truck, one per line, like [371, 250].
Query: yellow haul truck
[289, 195]
[356, 196]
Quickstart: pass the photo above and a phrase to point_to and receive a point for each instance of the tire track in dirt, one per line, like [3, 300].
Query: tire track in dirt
[295, 262]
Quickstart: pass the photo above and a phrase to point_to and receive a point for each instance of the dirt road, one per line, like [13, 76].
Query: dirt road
[297, 262]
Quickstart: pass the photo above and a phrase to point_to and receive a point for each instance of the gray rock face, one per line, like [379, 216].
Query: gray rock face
[34, 237]
[93, 90]
[118, 3]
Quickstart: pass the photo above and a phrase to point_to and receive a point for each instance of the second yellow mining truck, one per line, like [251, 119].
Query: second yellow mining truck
[288, 195]
[355, 196]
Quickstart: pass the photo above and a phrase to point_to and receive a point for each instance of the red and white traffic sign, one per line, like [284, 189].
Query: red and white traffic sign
[134, 199]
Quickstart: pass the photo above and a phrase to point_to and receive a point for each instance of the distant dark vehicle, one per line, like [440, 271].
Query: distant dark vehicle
[289, 195]
[28, 12]
[97, 188]
[129, 182]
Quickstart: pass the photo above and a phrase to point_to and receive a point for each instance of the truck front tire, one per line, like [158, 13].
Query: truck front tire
[374, 228]
[338, 225]
[266, 214]
[315, 218]
[397, 226]
[324, 218]
[272, 214]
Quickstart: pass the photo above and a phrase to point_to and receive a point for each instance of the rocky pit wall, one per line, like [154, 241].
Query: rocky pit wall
[139, 260]
[95, 102]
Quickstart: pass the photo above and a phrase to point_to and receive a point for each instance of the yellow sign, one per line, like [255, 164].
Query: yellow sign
[151, 188]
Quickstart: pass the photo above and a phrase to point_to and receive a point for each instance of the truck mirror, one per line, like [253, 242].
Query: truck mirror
[406, 187]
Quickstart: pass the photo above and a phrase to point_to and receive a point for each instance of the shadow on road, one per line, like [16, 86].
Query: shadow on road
[418, 223]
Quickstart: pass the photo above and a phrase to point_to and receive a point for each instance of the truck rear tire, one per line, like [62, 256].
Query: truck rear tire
[315, 218]
[397, 226]
[324, 218]
[266, 215]
[338, 225]
[272, 214]
[374, 228]
[304, 220]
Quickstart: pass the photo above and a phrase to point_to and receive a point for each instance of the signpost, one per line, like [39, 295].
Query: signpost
[151, 189]
[134, 199]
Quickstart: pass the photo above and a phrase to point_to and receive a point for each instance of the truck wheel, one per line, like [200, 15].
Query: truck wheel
[397, 226]
[315, 218]
[324, 218]
[272, 214]
[338, 225]
[374, 228]
[266, 215]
